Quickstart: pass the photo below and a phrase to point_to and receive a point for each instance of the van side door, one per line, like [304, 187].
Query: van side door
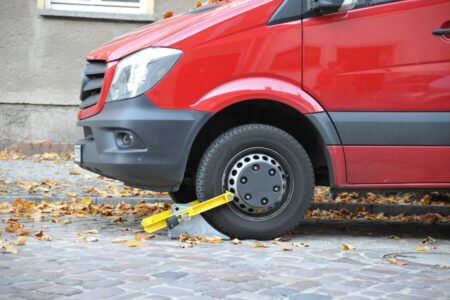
[382, 71]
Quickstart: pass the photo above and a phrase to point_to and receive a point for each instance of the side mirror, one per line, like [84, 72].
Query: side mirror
[329, 6]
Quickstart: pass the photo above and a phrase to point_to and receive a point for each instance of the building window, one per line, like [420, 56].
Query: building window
[101, 6]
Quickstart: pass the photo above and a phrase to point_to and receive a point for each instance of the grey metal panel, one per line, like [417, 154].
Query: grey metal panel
[393, 128]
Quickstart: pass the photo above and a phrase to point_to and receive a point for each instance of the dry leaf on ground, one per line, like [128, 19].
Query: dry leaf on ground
[421, 249]
[12, 227]
[23, 232]
[287, 249]
[429, 240]
[141, 237]
[20, 241]
[133, 243]
[391, 236]
[236, 241]
[119, 241]
[75, 172]
[7, 247]
[282, 239]
[300, 245]
[259, 245]
[348, 247]
[186, 246]
[397, 262]
[91, 231]
[91, 239]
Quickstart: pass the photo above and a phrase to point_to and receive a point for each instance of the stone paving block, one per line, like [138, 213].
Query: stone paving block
[102, 283]
[13, 279]
[309, 296]
[406, 297]
[221, 293]
[168, 291]
[142, 284]
[249, 296]
[133, 295]
[29, 285]
[170, 275]
[303, 285]
[279, 292]
[60, 290]
[100, 293]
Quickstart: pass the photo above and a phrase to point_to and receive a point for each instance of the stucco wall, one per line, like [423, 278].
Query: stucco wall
[41, 64]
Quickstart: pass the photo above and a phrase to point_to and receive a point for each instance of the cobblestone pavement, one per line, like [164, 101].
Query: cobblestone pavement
[69, 267]
[29, 171]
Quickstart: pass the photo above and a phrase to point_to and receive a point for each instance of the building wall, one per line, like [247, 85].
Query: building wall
[41, 65]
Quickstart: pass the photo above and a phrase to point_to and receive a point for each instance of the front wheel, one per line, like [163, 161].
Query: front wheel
[270, 174]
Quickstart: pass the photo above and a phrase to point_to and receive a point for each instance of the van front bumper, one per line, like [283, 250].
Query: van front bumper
[159, 145]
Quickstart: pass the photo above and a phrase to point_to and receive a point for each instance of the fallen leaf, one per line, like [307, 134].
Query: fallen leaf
[119, 241]
[23, 232]
[86, 200]
[124, 229]
[168, 14]
[198, 4]
[140, 237]
[236, 241]
[393, 237]
[286, 249]
[12, 227]
[300, 245]
[348, 247]
[45, 238]
[134, 243]
[39, 234]
[397, 262]
[443, 266]
[186, 246]
[429, 240]
[421, 249]
[75, 172]
[183, 237]
[91, 231]
[63, 222]
[71, 195]
[259, 245]
[276, 243]
[282, 239]
[8, 247]
[20, 241]
[90, 239]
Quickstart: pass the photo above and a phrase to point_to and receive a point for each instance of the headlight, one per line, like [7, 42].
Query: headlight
[140, 71]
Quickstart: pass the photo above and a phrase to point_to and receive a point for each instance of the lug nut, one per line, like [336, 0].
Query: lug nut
[264, 201]
[255, 167]
[244, 180]
[272, 172]
[248, 196]
[276, 188]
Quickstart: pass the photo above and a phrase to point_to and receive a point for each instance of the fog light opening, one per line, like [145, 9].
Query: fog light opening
[127, 139]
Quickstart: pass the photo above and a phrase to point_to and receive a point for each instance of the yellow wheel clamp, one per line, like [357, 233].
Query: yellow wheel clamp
[184, 212]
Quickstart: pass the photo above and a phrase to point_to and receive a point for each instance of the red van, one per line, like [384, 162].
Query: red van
[268, 98]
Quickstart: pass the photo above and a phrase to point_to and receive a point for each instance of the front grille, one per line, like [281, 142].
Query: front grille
[92, 81]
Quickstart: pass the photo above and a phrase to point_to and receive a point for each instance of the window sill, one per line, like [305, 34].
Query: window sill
[96, 15]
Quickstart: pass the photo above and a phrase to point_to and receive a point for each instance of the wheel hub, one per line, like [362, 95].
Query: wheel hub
[258, 182]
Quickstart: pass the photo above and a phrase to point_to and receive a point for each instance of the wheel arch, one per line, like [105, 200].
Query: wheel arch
[313, 131]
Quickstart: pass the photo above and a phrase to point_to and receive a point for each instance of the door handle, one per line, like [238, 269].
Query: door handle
[441, 31]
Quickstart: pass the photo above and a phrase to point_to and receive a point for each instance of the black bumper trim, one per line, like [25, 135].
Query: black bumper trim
[167, 136]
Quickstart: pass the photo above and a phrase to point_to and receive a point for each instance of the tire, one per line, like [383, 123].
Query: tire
[265, 206]
[184, 195]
